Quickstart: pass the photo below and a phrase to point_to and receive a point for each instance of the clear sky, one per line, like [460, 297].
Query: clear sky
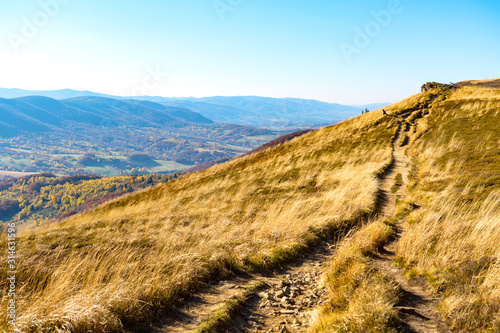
[335, 51]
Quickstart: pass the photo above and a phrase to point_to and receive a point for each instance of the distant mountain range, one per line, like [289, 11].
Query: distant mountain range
[38, 114]
[93, 134]
[55, 94]
[275, 113]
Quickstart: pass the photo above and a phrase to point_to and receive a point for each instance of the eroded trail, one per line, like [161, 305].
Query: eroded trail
[291, 300]
[290, 297]
[287, 302]
[417, 307]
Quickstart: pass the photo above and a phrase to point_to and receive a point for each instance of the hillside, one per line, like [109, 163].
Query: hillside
[416, 191]
[231, 216]
[41, 134]
[436, 268]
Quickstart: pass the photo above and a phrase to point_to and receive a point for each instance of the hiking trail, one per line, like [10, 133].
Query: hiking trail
[417, 307]
[292, 295]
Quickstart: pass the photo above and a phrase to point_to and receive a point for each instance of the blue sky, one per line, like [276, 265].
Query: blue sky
[334, 51]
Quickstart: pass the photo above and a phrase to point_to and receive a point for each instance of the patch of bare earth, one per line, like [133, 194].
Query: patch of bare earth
[292, 297]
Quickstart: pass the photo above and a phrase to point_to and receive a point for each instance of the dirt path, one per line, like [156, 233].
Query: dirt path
[293, 295]
[203, 304]
[289, 298]
[417, 307]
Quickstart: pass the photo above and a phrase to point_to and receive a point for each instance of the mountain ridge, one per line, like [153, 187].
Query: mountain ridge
[49, 135]
[276, 113]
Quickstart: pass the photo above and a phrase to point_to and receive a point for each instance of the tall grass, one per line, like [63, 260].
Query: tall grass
[453, 239]
[128, 259]
[361, 298]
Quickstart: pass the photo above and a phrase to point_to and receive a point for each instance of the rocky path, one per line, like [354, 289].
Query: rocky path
[287, 303]
[291, 301]
[417, 307]
[200, 306]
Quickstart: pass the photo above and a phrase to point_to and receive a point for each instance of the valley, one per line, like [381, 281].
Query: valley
[93, 135]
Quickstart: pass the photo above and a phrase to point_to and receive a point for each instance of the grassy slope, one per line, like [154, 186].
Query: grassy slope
[452, 239]
[124, 261]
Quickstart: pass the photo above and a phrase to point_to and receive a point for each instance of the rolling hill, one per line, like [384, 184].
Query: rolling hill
[416, 191]
[41, 134]
[253, 211]
[275, 113]
[40, 114]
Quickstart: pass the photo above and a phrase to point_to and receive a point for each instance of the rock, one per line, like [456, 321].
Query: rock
[287, 312]
[434, 85]
[268, 296]
[280, 294]
[286, 290]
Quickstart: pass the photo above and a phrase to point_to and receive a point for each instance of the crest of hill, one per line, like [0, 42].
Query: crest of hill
[282, 139]
[492, 83]
[270, 144]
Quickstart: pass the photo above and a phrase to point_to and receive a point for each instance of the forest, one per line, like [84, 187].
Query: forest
[44, 198]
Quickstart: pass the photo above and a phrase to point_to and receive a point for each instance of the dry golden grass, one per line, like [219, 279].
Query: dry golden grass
[453, 239]
[128, 259]
[121, 263]
[361, 299]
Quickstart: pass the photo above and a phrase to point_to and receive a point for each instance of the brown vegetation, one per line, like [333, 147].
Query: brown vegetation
[131, 258]
[128, 259]
[451, 239]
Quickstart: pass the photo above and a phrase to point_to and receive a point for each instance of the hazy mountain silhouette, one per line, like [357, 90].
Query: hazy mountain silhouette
[38, 114]
[244, 110]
